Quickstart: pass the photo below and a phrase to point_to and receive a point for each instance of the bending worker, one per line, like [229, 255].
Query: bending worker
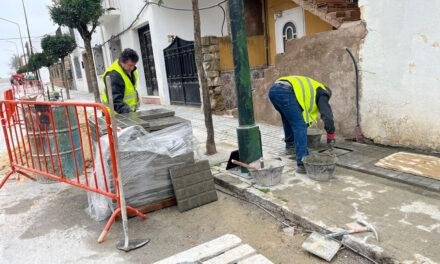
[299, 99]
[124, 78]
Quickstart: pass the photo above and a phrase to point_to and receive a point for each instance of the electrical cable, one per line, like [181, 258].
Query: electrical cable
[167, 7]
[224, 18]
[256, 204]
[32, 37]
[190, 10]
[286, 224]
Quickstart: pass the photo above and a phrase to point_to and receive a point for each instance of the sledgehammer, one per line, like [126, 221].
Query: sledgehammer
[366, 228]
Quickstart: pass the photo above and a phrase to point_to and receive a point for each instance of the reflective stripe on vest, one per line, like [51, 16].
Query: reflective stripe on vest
[305, 93]
[130, 94]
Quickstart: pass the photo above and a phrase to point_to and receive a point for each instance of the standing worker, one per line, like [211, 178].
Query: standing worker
[124, 78]
[299, 99]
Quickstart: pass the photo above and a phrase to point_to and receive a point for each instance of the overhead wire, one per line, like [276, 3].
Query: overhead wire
[166, 7]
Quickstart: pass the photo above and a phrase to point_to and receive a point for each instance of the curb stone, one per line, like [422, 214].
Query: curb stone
[278, 207]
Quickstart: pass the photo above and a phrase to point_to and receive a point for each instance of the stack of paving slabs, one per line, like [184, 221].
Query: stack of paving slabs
[150, 120]
[193, 185]
[145, 160]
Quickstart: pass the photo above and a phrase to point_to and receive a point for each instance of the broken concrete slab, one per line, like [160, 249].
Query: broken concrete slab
[193, 185]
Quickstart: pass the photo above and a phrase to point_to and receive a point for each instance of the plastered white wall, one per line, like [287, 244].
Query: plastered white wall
[400, 63]
[163, 22]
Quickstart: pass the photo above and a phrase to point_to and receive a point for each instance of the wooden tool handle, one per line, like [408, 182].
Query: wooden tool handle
[239, 163]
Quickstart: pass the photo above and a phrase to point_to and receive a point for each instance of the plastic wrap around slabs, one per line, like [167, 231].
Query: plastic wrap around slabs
[141, 155]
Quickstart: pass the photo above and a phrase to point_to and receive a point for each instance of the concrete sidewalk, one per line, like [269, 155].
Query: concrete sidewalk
[406, 216]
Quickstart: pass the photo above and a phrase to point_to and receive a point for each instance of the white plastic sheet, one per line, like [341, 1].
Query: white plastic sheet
[145, 159]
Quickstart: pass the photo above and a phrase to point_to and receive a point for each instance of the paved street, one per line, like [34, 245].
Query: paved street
[49, 223]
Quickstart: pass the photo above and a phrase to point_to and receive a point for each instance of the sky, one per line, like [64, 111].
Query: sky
[39, 24]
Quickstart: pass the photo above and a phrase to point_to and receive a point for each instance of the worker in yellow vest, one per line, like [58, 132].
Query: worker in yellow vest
[124, 78]
[300, 100]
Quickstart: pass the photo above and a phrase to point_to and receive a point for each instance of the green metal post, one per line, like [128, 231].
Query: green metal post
[249, 138]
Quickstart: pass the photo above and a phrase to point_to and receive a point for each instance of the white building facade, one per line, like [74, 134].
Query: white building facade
[149, 35]
[400, 60]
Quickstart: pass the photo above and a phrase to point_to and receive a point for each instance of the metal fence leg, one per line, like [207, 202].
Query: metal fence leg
[125, 245]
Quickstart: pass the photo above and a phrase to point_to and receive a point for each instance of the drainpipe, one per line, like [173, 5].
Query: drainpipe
[249, 138]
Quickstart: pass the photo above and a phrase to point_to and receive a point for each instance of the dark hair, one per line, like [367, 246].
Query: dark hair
[129, 54]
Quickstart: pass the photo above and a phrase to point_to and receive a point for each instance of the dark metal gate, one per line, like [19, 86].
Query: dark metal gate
[148, 60]
[181, 69]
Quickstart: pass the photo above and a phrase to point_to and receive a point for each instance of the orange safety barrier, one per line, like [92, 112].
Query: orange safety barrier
[53, 140]
[27, 88]
[10, 109]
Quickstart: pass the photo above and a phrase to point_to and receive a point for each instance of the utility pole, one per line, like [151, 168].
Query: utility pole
[27, 26]
[29, 36]
[249, 138]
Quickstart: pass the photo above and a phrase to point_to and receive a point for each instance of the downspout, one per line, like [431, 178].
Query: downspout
[358, 131]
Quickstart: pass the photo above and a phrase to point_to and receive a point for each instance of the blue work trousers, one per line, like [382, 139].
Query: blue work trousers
[295, 129]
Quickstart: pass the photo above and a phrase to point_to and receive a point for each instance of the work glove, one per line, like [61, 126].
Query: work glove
[331, 140]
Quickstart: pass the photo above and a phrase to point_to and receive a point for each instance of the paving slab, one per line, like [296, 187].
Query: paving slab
[193, 185]
[257, 259]
[363, 158]
[232, 256]
[205, 251]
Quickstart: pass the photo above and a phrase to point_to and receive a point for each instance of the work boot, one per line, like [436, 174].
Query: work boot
[301, 169]
[290, 151]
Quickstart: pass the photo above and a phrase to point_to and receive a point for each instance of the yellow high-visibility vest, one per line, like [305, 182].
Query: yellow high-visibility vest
[130, 94]
[305, 90]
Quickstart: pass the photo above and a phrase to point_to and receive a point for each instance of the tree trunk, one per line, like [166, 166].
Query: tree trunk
[64, 77]
[207, 111]
[50, 79]
[92, 81]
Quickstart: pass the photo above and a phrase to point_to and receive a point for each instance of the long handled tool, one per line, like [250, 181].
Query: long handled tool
[126, 244]
[242, 164]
